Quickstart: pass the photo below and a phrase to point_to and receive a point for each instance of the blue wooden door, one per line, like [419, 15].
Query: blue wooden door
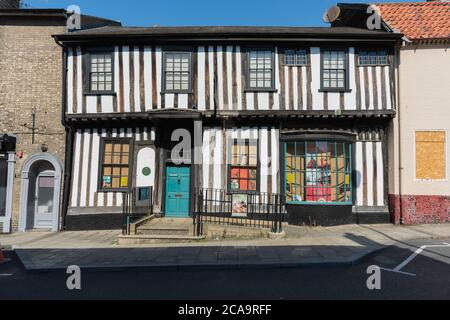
[177, 192]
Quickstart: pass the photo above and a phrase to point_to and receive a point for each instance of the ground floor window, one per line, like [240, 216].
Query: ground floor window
[243, 172]
[318, 172]
[115, 166]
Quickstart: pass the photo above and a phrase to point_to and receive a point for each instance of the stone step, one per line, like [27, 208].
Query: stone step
[148, 230]
[150, 239]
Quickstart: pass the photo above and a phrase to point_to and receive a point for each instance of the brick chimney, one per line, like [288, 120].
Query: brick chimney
[10, 4]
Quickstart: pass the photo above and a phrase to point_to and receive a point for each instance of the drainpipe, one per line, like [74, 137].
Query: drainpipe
[399, 125]
[68, 161]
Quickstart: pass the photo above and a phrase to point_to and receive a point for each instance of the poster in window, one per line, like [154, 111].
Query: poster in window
[240, 205]
[107, 181]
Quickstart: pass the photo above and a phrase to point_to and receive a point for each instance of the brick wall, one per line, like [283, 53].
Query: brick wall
[30, 79]
[419, 209]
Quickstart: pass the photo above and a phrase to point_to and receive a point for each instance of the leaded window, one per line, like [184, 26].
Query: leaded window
[373, 58]
[296, 57]
[261, 69]
[334, 70]
[177, 71]
[101, 72]
[318, 172]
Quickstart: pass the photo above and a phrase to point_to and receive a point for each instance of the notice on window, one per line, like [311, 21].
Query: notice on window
[107, 181]
[240, 205]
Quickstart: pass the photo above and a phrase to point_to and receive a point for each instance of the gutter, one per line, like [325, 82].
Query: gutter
[68, 161]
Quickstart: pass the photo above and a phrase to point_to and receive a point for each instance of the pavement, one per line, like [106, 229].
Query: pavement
[303, 247]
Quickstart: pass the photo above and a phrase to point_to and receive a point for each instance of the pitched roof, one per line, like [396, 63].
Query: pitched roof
[418, 20]
[224, 32]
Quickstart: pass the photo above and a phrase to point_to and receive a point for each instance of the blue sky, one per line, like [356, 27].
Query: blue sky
[203, 12]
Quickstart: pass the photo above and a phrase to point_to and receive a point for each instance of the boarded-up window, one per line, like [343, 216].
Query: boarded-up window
[430, 155]
[116, 164]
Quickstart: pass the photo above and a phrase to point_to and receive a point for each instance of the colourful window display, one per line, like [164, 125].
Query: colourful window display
[244, 166]
[318, 172]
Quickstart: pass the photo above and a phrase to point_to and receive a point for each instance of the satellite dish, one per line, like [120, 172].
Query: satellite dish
[332, 14]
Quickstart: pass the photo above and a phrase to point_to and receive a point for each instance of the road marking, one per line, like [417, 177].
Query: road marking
[6, 275]
[412, 257]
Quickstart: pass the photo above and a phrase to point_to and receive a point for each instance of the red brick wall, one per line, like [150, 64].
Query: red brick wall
[420, 209]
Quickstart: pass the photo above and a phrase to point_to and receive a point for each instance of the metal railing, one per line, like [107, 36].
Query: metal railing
[134, 209]
[217, 206]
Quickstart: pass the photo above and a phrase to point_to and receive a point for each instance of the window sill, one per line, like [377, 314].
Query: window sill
[250, 90]
[113, 191]
[336, 90]
[248, 193]
[298, 203]
[176, 92]
[373, 65]
[96, 94]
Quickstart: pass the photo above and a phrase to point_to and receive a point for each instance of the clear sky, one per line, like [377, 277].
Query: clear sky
[203, 12]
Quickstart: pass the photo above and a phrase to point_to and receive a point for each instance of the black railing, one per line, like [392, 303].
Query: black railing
[135, 209]
[217, 206]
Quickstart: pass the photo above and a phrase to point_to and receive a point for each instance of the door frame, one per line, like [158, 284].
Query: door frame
[43, 174]
[191, 185]
[25, 184]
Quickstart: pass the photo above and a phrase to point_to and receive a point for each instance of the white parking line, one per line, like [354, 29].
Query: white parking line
[412, 257]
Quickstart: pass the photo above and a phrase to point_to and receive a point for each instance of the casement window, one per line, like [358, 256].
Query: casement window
[243, 171]
[261, 70]
[318, 172]
[296, 57]
[431, 155]
[177, 72]
[101, 72]
[115, 164]
[334, 70]
[373, 58]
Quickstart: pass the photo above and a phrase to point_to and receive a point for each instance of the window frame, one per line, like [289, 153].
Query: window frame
[446, 155]
[87, 70]
[338, 137]
[248, 88]
[188, 51]
[103, 142]
[344, 89]
[231, 166]
[367, 50]
[296, 49]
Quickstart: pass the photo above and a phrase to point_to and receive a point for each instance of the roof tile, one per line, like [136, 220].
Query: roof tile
[418, 20]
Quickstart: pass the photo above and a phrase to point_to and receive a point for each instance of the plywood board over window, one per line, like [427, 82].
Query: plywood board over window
[430, 155]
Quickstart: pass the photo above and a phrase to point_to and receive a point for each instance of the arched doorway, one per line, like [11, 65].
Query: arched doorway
[40, 193]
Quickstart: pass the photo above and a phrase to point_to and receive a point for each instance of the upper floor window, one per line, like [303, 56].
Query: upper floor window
[177, 72]
[243, 173]
[101, 72]
[261, 70]
[373, 58]
[296, 57]
[115, 165]
[334, 70]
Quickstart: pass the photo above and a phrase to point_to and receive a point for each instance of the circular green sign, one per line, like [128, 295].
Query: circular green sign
[146, 171]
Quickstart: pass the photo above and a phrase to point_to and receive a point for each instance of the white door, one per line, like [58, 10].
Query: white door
[45, 191]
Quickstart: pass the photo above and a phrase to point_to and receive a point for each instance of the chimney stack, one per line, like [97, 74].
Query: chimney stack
[10, 4]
